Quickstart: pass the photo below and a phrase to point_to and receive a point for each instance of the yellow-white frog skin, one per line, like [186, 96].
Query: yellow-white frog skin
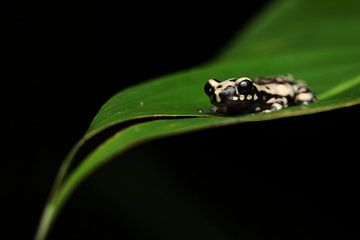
[263, 94]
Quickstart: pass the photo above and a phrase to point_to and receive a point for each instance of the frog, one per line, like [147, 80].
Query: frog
[262, 94]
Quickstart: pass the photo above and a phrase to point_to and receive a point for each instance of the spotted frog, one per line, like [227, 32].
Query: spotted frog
[262, 94]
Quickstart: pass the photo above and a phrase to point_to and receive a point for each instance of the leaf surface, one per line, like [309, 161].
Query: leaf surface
[316, 41]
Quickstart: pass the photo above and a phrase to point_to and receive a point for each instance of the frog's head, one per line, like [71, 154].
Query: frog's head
[234, 91]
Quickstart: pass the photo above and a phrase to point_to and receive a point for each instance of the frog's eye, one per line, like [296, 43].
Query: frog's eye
[244, 86]
[209, 86]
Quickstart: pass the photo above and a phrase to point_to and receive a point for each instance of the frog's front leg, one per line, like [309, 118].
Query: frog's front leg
[276, 103]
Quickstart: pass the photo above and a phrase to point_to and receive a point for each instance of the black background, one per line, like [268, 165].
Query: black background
[296, 178]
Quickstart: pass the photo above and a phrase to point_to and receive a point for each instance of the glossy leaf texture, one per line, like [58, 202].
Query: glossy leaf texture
[315, 41]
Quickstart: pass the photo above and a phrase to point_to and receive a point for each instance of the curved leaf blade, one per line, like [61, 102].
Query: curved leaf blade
[318, 48]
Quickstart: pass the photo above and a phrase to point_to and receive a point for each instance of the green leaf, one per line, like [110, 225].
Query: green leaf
[316, 41]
